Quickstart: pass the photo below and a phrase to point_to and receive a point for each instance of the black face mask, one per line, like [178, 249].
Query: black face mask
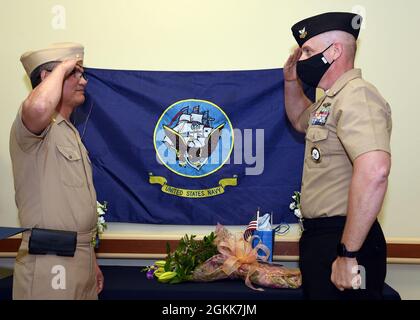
[311, 70]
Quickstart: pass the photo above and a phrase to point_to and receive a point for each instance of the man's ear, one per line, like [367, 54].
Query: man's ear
[44, 74]
[337, 50]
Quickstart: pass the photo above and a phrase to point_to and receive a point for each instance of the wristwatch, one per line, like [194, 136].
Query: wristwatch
[343, 252]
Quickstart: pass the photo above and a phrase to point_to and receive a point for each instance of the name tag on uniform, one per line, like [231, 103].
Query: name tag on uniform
[321, 115]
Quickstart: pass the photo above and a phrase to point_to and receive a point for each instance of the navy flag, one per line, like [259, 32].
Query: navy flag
[194, 148]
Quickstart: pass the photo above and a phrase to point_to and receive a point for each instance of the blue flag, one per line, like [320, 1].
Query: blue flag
[194, 148]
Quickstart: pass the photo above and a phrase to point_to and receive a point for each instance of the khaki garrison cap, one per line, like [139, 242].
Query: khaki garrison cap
[56, 52]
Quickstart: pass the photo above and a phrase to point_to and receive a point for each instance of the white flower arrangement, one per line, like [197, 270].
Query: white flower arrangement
[101, 223]
[295, 206]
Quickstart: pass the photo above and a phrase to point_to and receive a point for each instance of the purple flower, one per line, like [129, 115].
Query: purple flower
[149, 274]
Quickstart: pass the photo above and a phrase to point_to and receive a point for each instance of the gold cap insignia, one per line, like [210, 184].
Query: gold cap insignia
[303, 33]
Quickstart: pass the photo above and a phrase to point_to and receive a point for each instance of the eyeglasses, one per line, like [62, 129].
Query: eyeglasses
[75, 73]
[78, 74]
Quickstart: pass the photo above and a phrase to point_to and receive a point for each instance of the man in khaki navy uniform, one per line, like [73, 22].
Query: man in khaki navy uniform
[53, 178]
[347, 161]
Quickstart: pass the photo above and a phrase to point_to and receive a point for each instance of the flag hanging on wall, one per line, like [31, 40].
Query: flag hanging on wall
[194, 148]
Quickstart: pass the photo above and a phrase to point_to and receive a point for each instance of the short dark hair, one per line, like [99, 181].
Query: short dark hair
[36, 74]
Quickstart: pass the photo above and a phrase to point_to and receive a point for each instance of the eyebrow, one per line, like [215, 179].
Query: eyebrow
[307, 48]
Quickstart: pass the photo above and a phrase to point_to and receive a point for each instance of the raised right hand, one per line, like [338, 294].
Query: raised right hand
[68, 66]
[289, 68]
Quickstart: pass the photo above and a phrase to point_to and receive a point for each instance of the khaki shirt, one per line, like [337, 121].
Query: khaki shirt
[351, 119]
[54, 190]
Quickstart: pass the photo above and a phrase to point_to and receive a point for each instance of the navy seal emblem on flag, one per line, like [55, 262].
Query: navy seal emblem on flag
[193, 138]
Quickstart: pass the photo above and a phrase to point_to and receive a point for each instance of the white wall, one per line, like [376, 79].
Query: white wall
[223, 35]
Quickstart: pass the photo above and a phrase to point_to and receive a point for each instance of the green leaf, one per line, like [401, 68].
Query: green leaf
[189, 254]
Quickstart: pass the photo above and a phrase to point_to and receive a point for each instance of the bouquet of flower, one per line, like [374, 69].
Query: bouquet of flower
[180, 264]
[219, 256]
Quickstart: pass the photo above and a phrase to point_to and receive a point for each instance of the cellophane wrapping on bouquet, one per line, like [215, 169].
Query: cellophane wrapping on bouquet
[237, 259]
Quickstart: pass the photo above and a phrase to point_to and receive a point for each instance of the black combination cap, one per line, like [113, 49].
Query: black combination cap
[342, 21]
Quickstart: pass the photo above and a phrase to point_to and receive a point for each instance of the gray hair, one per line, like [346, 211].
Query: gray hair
[36, 74]
[348, 41]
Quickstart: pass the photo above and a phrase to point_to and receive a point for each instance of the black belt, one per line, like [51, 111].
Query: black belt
[324, 223]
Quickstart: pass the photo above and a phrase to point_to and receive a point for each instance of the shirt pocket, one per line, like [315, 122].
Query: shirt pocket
[71, 166]
[317, 150]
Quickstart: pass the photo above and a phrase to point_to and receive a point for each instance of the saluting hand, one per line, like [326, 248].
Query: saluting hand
[289, 68]
[68, 66]
[344, 273]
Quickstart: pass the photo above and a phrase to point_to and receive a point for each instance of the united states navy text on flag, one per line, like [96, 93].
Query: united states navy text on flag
[190, 147]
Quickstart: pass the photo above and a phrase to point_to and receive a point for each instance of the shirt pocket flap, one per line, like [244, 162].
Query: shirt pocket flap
[316, 134]
[70, 153]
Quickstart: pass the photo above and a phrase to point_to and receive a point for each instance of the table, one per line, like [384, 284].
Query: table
[130, 283]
